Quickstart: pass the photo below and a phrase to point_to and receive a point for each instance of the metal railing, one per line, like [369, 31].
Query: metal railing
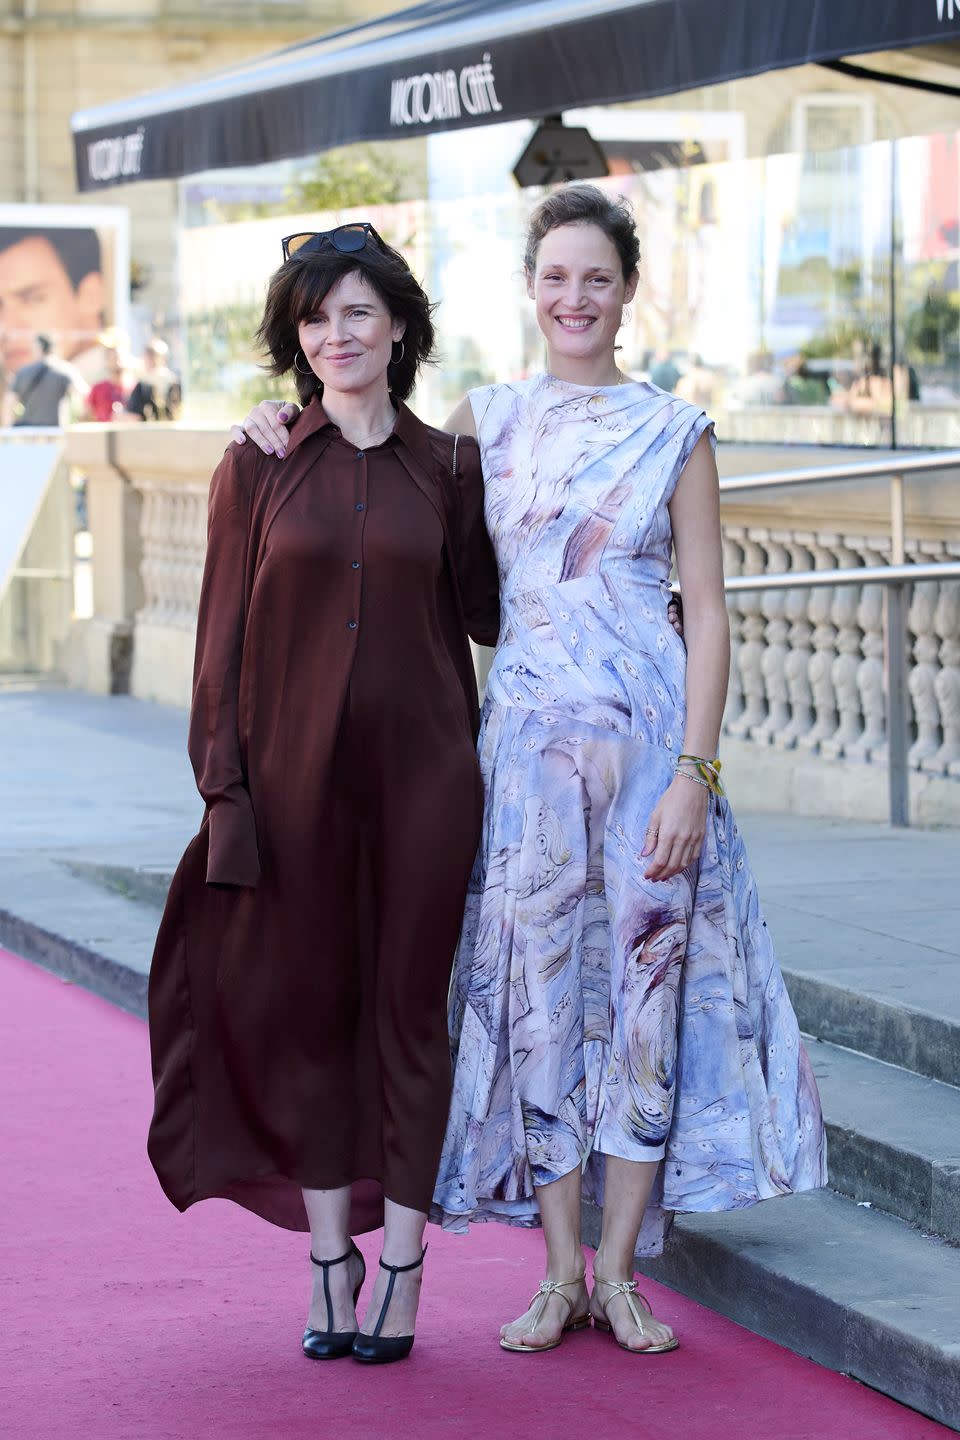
[896, 578]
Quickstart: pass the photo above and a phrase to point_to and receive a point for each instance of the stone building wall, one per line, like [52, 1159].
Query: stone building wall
[57, 58]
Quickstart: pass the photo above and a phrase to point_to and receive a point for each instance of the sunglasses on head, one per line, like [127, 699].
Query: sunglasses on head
[345, 238]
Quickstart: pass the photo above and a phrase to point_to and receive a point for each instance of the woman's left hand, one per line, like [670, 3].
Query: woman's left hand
[677, 827]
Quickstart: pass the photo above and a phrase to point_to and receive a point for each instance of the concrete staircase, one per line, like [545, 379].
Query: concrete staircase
[863, 1277]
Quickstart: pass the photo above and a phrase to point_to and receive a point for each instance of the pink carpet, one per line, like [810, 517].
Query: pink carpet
[120, 1318]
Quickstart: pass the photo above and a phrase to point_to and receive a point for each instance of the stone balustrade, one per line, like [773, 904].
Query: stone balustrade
[806, 710]
[919, 426]
[805, 724]
[147, 503]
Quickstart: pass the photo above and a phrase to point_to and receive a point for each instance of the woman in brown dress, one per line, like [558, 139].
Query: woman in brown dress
[298, 988]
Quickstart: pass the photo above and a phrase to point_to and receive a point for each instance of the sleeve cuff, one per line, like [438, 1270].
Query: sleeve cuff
[232, 854]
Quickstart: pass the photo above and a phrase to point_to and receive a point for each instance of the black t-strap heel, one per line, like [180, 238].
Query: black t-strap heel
[332, 1344]
[376, 1349]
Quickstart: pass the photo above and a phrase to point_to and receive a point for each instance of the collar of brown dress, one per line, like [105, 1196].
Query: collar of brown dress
[409, 431]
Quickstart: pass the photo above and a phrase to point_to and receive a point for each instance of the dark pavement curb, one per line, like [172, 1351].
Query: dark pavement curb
[107, 978]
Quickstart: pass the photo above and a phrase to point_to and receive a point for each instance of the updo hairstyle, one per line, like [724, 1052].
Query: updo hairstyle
[585, 205]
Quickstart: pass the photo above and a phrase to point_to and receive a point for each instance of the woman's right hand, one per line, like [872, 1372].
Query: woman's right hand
[266, 426]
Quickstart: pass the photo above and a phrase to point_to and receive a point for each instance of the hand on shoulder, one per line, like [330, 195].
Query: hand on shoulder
[266, 425]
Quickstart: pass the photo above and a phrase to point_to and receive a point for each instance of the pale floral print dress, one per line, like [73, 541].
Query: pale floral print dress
[595, 1012]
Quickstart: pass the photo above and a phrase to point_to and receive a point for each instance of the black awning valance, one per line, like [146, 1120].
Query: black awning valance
[449, 64]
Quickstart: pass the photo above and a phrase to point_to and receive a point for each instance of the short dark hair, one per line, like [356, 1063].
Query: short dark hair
[301, 285]
[585, 205]
[78, 250]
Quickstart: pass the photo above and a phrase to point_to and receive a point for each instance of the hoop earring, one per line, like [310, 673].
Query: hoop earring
[626, 315]
[396, 360]
[309, 369]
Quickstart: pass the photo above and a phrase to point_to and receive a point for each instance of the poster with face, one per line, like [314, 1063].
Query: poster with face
[64, 274]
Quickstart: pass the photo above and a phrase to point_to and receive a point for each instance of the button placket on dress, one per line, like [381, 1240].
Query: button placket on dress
[361, 495]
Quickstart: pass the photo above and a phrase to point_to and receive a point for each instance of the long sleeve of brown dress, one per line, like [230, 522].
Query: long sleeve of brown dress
[214, 741]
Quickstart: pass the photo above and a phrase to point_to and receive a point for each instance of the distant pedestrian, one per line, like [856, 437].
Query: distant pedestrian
[664, 372]
[38, 392]
[108, 393]
[697, 384]
[760, 386]
[157, 394]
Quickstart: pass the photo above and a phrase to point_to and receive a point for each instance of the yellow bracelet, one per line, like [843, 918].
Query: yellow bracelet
[708, 770]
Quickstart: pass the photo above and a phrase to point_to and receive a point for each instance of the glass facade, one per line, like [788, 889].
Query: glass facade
[800, 274]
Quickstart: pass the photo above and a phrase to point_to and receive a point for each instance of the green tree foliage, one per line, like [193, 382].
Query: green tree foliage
[933, 327]
[222, 359]
[345, 179]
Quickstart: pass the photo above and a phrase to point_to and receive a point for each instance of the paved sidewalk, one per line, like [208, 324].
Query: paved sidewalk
[91, 788]
[98, 788]
[97, 802]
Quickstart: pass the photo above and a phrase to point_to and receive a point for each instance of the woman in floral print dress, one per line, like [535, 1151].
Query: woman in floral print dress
[619, 1020]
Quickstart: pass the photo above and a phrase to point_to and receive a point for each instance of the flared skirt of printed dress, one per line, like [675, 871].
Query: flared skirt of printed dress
[595, 1012]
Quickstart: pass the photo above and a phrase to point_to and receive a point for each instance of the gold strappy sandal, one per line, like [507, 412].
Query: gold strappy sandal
[576, 1322]
[628, 1289]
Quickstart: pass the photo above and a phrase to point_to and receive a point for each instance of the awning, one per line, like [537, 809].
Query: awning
[448, 64]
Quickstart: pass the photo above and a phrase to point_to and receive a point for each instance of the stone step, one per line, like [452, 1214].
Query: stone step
[893, 1138]
[78, 927]
[886, 1027]
[866, 921]
[854, 1289]
[924, 1040]
[147, 883]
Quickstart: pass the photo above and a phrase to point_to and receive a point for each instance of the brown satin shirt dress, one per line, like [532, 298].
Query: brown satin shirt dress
[298, 989]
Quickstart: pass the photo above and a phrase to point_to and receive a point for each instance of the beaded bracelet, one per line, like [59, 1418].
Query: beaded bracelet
[689, 775]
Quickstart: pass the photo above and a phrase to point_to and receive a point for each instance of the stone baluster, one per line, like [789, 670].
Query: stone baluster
[926, 652]
[773, 662]
[180, 576]
[946, 623]
[843, 672]
[178, 560]
[174, 544]
[824, 640]
[871, 744]
[191, 545]
[151, 531]
[174, 547]
[733, 565]
[797, 664]
[750, 651]
[167, 556]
